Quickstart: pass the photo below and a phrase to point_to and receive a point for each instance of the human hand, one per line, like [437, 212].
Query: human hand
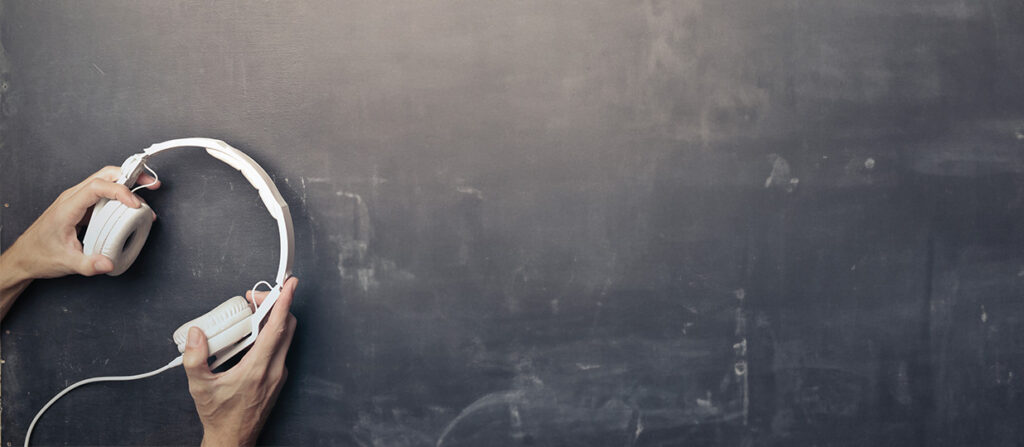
[50, 248]
[234, 404]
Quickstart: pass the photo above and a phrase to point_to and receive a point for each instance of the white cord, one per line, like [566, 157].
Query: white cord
[254, 286]
[172, 364]
[156, 178]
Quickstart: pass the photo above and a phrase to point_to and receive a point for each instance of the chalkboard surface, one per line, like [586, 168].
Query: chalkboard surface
[549, 223]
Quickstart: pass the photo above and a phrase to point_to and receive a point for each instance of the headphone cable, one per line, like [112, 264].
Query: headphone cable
[172, 364]
[156, 178]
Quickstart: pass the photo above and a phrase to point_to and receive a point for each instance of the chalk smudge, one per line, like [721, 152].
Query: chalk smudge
[781, 175]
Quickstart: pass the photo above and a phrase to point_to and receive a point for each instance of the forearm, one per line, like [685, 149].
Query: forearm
[13, 280]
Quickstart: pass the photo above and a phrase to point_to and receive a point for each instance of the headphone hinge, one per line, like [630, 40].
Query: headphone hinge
[131, 168]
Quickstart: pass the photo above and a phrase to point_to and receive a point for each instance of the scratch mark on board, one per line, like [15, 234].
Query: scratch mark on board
[323, 388]
[124, 334]
[516, 422]
[637, 423]
[705, 403]
[510, 398]
[303, 199]
[354, 250]
[740, 348]
[471, 191]
[227, 243]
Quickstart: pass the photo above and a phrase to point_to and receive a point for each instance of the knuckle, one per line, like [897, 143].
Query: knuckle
[191, 362]
[97, 185]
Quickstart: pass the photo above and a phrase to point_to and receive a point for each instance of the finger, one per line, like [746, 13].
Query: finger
[108, 173]
[98, 189]
[260, 296]
[112, 173]
[197, 351]
[92, 264]
[86, 216]
[281, 353]
[277, 324]
[148, 181]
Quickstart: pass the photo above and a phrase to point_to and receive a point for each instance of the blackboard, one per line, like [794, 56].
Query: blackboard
[601, 223]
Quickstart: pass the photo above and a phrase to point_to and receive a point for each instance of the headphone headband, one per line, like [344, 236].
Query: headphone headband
[253, 172]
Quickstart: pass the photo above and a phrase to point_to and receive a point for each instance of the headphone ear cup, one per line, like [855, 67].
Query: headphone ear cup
[225, 325]
[126, 232]
[95, 232]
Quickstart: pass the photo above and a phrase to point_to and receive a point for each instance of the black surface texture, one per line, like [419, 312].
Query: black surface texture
[546, 223]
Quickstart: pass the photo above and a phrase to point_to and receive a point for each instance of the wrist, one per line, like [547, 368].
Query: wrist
[13, 267]
[214, 439]
[13, 270]
[14, 278]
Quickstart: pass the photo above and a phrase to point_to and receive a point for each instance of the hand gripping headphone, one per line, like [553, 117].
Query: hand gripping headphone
[118, 232]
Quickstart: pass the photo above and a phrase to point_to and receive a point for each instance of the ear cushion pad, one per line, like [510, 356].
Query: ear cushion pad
[223, 326]
[127, 236]
[118, 232]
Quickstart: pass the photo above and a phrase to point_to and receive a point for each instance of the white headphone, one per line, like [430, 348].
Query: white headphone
[118, 232]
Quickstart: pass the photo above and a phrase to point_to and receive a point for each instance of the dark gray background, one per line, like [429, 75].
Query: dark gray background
[550, 223]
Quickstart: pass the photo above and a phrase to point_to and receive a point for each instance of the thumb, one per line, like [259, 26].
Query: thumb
[94, 265]
[197, 351]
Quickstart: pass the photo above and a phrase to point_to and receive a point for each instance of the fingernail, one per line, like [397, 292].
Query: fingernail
[101, 266]
[193, 336]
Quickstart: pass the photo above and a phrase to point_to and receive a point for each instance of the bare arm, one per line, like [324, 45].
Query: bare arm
[13, 280]
[50, 248]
